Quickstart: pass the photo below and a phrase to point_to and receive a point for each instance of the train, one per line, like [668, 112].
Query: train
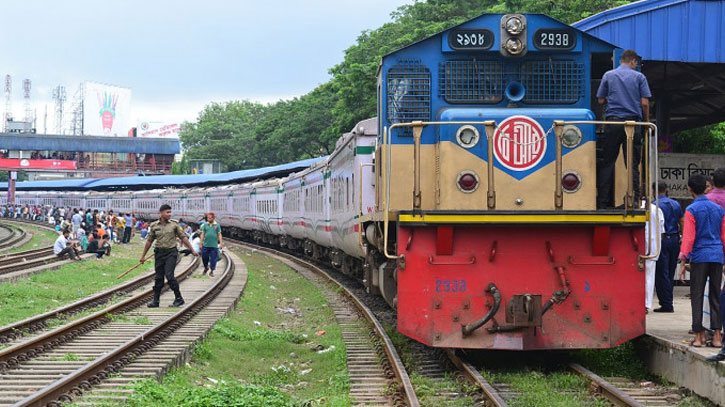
[469, 202]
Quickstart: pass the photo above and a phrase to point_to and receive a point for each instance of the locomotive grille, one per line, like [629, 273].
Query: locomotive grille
[471, 81]
[408, 94]
[551, 82]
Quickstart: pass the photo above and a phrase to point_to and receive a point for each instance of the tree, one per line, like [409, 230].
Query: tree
[181, 167]
[247, 135]
[703, 140]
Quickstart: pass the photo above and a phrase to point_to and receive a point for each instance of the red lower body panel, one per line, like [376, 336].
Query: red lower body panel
[598, 284]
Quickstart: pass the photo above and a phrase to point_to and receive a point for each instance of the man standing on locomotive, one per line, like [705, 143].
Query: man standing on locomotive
[165, 232]
[626, 94]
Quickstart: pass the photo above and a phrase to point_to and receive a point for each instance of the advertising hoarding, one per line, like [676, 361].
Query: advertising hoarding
[158, 130]
[26, 164]
[106, 110]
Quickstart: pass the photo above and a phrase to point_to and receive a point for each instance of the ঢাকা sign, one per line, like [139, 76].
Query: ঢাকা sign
[519, 143]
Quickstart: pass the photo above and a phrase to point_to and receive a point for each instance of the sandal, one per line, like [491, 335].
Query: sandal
[692, 343]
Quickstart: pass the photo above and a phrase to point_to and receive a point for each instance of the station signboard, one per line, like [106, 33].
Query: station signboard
[675, 169]
[26, 164]
[158, 130]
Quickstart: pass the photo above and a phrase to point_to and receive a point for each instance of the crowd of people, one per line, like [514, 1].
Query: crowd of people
[702, 228]
[89, 231]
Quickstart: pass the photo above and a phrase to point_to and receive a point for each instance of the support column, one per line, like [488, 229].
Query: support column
[13, 176]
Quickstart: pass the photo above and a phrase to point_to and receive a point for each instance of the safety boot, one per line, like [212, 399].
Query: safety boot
[155, 302]
[178, 301]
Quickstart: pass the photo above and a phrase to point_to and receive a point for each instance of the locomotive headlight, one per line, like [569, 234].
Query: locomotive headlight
[514, 46]
[467, 136]
[514, 26]
[571, 136]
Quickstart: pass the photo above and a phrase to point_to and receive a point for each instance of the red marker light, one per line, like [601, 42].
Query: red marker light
[571, 182]
[467, 182]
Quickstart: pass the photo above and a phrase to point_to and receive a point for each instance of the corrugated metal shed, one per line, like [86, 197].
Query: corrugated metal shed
[664, 30]
[682, 44]
[90, 144]
[161, 181]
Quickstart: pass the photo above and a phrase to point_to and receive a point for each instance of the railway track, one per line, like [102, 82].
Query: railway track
[13, 237]
[63, 363]
[617, 391]
[374, 365]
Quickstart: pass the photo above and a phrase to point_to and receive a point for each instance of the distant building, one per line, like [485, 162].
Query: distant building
[203, 166]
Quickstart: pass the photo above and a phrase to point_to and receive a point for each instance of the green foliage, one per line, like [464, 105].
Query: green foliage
[5, 176]
[228, 330]
[704, 140]
[181, 167]
[176, 392]
[244, 134]
[621, 361]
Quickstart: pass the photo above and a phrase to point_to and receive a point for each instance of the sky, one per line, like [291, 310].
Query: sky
[177, 56]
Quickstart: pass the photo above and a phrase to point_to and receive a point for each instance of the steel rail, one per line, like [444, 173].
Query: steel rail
[65, 390]
[14, 355]
[473, 376]
[16, 236]
[605, 389]
[390, 351]
[38, 322]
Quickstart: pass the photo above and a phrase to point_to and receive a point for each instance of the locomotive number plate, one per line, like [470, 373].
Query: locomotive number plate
[448, 286]
[555, 38]
[466, 39]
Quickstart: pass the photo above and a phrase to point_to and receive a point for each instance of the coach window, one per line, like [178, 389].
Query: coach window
[347, 193]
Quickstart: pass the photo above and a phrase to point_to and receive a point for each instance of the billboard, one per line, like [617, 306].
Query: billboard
[26, 164]
[106, 110]
[158, 130]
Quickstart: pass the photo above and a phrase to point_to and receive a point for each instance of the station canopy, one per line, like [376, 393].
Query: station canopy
[164, 181]
[682, 44]
[89, 144]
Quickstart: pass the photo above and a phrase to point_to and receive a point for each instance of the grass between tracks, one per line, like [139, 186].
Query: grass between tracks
[50, 289]
[428, 390]
[40, 237]
[261, 354]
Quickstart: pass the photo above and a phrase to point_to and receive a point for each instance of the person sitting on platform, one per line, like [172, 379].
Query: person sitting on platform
[61, 247]
[702, 243]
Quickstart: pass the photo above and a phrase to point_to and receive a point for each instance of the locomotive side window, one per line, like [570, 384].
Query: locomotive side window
[408, 93]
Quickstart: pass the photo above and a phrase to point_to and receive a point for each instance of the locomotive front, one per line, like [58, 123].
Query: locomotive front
[486, 233]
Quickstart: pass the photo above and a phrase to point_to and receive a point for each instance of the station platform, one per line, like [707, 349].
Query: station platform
[668, 354]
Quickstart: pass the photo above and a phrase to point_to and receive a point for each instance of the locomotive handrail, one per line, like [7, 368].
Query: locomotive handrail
[651, 150]
[360, 211]
[417, 197]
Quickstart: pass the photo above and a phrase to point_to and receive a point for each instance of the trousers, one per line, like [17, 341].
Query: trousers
[69, 251]
[665, 272]
[209, 257]
[698, 277]
[126, 234]
[649, 282]
[608, 146]
[165, 264]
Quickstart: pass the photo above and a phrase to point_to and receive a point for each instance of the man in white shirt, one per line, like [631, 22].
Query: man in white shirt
[653, 231]
[76, 220]
[61, 248]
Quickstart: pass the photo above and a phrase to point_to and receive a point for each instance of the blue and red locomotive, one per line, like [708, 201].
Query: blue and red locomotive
[486, 182]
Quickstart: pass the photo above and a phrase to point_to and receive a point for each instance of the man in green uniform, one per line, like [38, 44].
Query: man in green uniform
[165, 232]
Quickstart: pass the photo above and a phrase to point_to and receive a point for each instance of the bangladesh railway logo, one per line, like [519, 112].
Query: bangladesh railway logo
[519, 143]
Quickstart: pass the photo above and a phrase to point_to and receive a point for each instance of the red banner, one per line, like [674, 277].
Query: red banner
[25, 164]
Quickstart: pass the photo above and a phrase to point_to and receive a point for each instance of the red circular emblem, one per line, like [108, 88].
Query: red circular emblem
[519, 143]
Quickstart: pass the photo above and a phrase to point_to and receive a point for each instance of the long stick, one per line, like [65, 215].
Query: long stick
[132, 268]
